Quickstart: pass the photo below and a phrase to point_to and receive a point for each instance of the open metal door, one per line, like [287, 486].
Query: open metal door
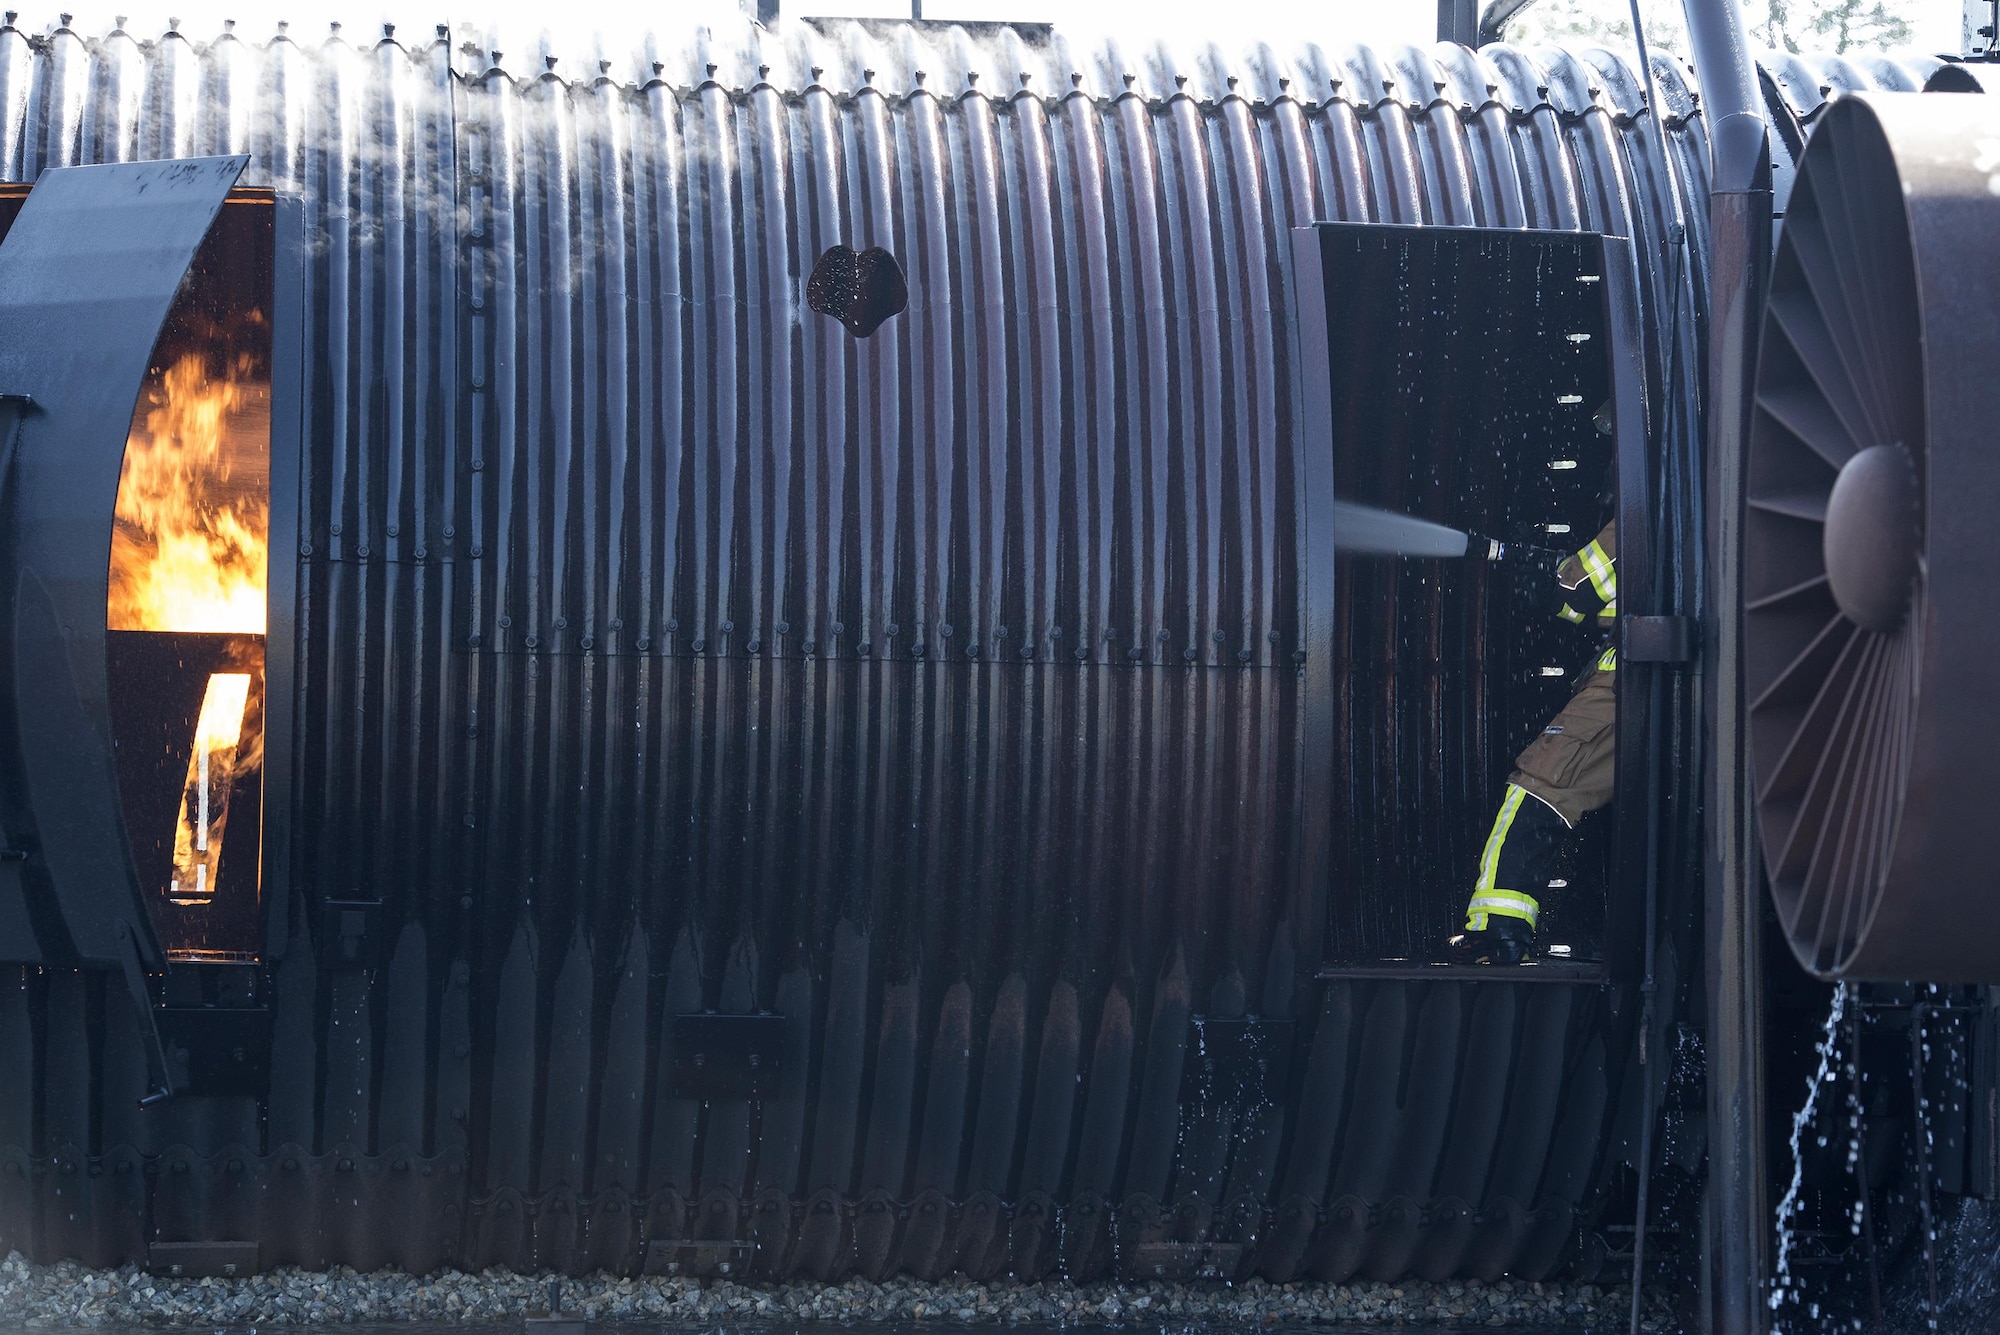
[88, 273]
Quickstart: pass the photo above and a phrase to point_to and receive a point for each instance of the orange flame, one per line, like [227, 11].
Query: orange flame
[212, 768]
[189, 551]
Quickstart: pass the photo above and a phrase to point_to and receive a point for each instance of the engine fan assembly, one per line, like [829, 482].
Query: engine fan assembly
[1872, 599]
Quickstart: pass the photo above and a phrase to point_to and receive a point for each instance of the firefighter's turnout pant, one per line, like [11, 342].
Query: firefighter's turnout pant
[1562, 775]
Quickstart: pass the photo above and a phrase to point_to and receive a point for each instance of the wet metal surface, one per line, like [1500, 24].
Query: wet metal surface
[663, 649]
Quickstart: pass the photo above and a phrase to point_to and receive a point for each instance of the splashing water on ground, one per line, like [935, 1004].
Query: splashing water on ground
[1786, 1290]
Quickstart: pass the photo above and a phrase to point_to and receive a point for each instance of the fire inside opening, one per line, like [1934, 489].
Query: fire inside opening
[187, 606]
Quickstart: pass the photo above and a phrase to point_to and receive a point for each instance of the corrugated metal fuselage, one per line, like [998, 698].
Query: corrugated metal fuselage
[664, 650]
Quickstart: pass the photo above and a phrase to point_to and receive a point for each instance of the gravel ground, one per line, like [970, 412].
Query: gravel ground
[67, 1294]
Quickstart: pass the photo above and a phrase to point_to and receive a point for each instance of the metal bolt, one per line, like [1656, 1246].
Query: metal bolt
[672, 625]
[783, 628]
[862, 648]
[699, 646]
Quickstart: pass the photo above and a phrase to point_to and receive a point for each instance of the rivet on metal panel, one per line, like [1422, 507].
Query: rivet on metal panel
[362, 551]
[1082, 654]
[673, 624]
[1163, 636]
[1244, 655]
[478, 377]
[617, 623]
[1298, 655]
[478, 465]
[810, 646]
[699, 646]
[917, 649]
[972, 649]
[728, 627]
[395, 530]
[532, 641]
[473, 641]
[421, 553]
[891, 630]
[783, 628]
[1055, 632]
[477, 551]
[1219, 637]
[587, 642]
[863, 648]
[1190, 653]
[1027, 651]
[755, 645]
[335, 530]
[643, 644]
[450, 532]
[1110, 635]
[1135, 653]
[839, 628]
[305, 549]
[506, 621]
[945, 630]
[562, 623]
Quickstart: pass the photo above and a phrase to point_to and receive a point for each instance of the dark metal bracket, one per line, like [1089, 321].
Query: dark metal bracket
[1237, 1062]
[722, 1056]
[352, 932]
[1658, 639]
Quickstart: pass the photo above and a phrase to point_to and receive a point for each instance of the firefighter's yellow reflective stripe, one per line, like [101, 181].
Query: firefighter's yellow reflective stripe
[1609, 661]
[1602, 569]
[1506, 903]
[1486, 897]
[1571, 615]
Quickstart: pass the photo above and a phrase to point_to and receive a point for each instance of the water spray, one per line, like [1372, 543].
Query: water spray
[1364, 530]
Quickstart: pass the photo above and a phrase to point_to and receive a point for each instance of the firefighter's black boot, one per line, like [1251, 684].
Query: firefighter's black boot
[1503, 941]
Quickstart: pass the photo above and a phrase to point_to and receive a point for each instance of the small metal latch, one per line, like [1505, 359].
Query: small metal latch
[719, 1055]
[353, 929]
[202, 1260]
[1657, 639]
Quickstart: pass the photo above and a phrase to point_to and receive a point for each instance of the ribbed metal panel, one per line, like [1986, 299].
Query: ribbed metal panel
[667, 650]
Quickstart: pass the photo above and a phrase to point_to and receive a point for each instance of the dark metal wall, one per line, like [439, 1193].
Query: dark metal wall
[663, 649]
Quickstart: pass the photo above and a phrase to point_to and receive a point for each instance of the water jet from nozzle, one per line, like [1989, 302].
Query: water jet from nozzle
[1364, 529]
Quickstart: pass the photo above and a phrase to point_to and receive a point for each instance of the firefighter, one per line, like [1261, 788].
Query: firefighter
[1562, 776]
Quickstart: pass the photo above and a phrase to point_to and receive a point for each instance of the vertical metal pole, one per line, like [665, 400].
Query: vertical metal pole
[1740, 232]
[1738, 1217]
[1458, 21]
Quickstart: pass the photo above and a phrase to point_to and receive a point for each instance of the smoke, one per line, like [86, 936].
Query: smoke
[1365, 530]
